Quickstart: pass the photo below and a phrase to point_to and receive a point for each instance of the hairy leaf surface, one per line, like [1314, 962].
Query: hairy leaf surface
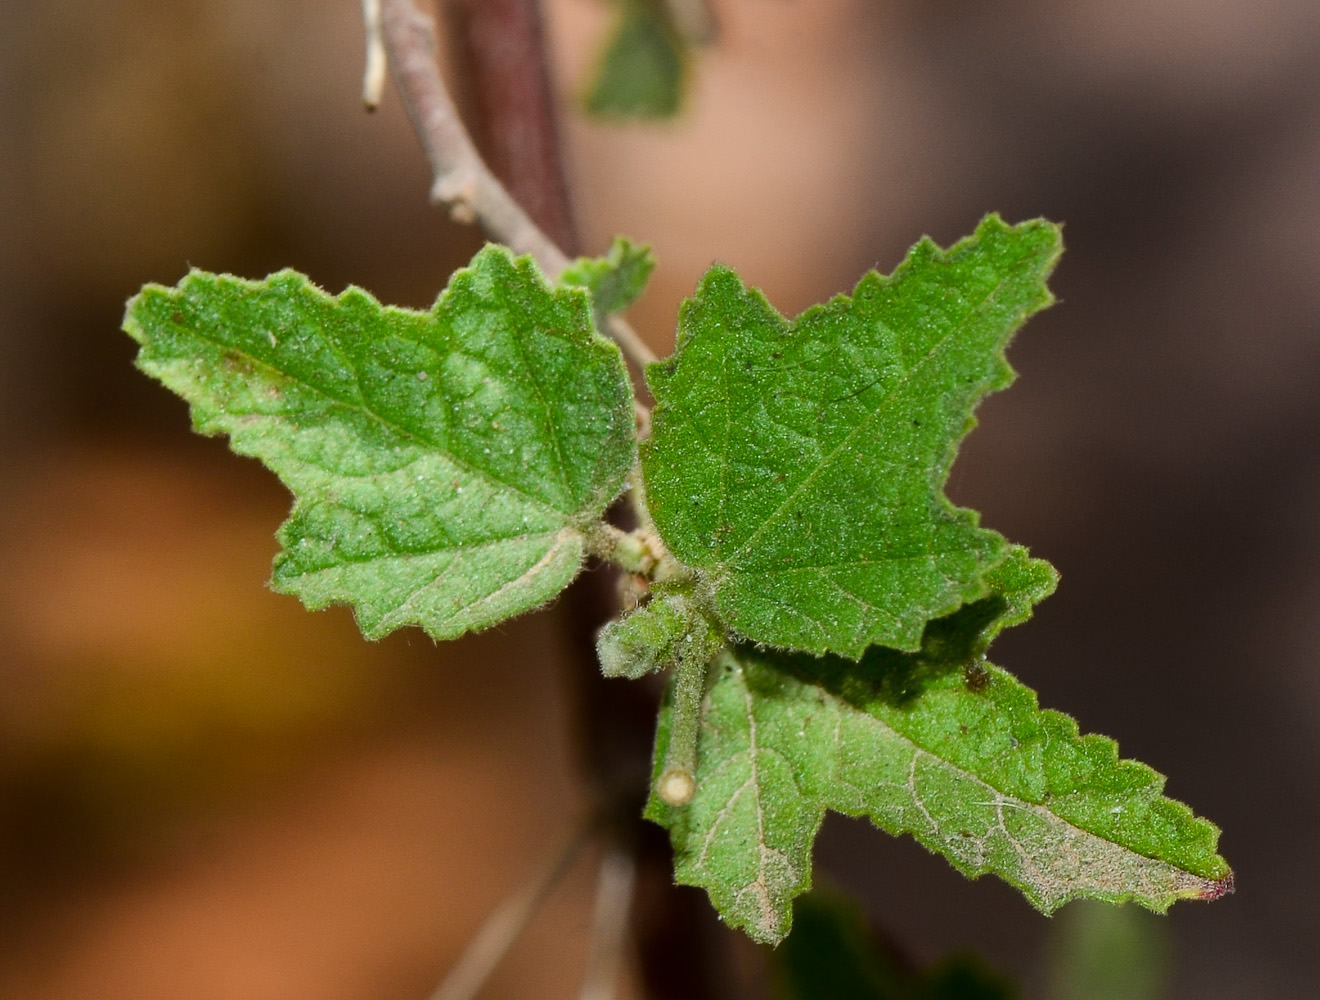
[951, 750]
[650, 638]
[444, 464]
[798, 467]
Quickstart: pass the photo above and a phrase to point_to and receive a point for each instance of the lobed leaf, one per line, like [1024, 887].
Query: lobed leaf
[444, 464]
[952, 750]
[798, 467]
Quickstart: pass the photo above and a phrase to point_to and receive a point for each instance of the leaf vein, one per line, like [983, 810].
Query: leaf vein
[881, 407]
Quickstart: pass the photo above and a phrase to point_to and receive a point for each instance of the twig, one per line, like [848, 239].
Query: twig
[501, 85]
[609, 925]
[373, 76]
[612, 722]
[462, 181]
[634, 347]
[506, 922]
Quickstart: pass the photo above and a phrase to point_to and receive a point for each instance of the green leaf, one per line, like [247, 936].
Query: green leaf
[964, 761]
[642, 72]
[798, 467]
[615, 280]
[444, 464]
[1016, 586]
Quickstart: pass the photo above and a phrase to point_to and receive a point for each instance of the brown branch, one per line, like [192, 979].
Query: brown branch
[502, 88]
[674, 931]
[462, 181]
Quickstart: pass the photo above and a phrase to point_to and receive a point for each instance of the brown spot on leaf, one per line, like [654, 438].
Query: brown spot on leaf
[236, 363]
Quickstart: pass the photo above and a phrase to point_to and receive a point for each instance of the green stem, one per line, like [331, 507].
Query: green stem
[639, 552]
[678, 780]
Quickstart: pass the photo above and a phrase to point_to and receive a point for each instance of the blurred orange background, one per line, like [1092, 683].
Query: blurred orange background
[207, 792]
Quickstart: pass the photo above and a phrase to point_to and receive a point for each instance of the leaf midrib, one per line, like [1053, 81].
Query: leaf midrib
[1180, 878]
[901, 384]
[362, 407]
[457, 547]
[840, 704]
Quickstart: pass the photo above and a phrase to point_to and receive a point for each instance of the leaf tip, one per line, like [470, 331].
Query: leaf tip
[1218, 888]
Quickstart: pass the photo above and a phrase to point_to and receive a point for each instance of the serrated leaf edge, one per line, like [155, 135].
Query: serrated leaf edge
[711, 582]
[213, 420]
[774, 924]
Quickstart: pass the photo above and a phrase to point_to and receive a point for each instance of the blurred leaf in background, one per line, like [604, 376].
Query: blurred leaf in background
[833, 955]
[644, 67]
[1101, 952]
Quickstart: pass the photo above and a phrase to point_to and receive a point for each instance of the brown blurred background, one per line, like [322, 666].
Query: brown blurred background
[207, 792]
